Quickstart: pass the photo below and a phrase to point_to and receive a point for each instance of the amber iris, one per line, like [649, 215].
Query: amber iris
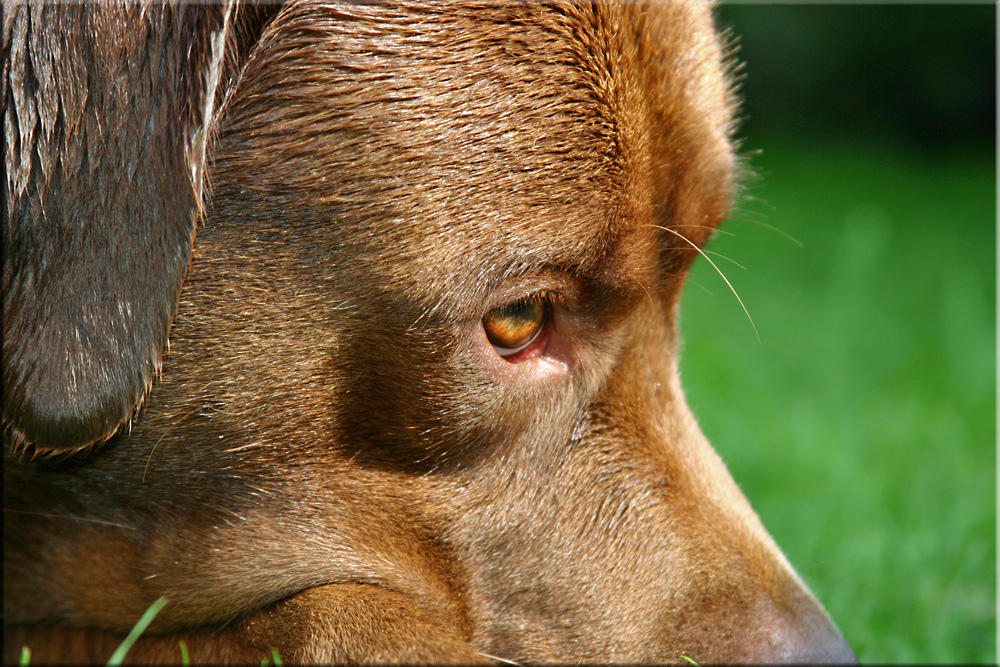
[513, 328]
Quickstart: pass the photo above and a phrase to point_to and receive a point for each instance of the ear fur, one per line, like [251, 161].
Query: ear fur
[107, 110]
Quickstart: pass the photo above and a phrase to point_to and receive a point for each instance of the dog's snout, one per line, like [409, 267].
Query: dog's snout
[731, 595]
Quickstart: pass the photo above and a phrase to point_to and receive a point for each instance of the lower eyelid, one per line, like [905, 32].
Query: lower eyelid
[509, 352]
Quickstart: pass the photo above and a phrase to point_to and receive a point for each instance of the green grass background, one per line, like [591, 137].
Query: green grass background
[863, 426]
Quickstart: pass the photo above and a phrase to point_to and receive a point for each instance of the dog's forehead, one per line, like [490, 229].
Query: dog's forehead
[449, 148]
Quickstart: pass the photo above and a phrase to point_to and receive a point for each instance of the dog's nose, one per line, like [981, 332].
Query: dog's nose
[817, 641]
[793, 628]
[831, 650]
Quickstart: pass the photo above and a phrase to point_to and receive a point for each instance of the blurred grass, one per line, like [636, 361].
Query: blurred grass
[863, 428]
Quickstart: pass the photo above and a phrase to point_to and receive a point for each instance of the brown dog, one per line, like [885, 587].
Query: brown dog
[420, 401]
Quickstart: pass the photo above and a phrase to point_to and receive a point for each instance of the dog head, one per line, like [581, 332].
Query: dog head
[427, 340]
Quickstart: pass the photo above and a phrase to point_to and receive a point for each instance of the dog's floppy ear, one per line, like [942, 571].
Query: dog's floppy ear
[107, 108]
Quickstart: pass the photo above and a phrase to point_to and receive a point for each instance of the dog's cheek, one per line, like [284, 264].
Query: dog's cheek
[425, 399]
[406, 404]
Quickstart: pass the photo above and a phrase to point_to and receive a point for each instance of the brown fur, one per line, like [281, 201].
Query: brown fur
[334, 463]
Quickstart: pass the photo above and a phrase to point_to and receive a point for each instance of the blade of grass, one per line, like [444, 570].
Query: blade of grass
[119, 655]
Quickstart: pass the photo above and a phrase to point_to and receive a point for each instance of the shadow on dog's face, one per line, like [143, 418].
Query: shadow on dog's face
[426, 344]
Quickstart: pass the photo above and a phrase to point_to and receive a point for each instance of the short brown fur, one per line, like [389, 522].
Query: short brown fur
[333, 462]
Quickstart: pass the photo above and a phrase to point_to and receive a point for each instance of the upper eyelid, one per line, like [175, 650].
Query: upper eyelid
[557, 286]
[538, 295]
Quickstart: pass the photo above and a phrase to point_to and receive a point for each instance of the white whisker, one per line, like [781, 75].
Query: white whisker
[771, 227]
[728, 259]
[493, 657]
[709, 260]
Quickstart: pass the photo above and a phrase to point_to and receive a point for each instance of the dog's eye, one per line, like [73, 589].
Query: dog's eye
[513, 328]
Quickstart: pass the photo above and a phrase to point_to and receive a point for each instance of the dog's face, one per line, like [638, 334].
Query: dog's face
[426, 346]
